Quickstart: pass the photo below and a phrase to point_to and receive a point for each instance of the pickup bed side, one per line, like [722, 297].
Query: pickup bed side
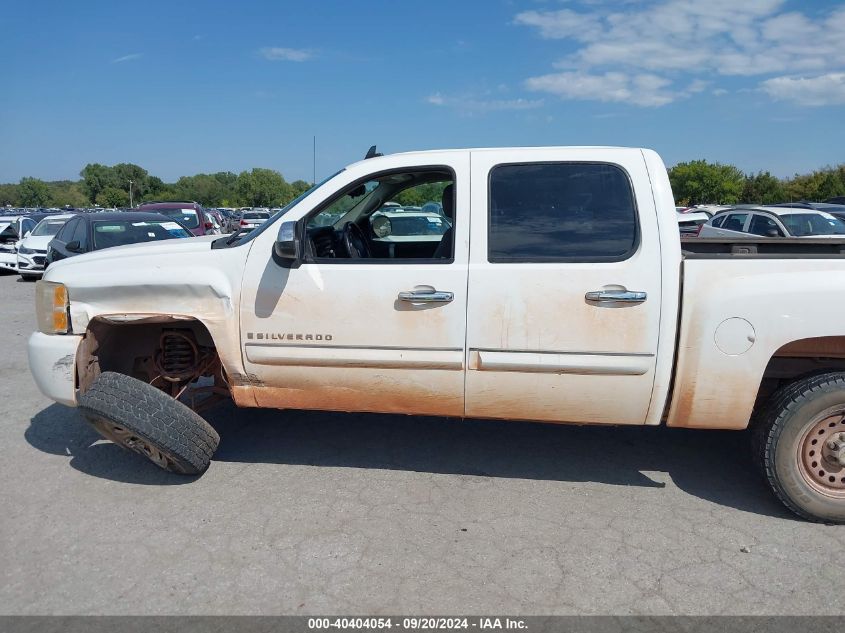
[745, 320]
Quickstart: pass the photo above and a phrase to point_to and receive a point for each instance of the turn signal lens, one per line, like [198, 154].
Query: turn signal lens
[51, 308]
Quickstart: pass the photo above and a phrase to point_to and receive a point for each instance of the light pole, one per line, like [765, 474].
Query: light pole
[130, 194]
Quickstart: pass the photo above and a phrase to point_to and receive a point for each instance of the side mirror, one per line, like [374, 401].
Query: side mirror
[287, 246]
[772, 233]
[381, 226]
[73, 246]
[27, 234]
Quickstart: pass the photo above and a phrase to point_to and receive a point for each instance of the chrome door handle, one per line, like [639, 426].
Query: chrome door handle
[614, 296]
[426, 294]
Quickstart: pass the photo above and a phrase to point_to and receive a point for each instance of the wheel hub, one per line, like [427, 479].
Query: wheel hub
[821, 458]
[126, 438]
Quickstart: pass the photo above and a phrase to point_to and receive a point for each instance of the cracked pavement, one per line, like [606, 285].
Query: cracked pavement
[316, 513]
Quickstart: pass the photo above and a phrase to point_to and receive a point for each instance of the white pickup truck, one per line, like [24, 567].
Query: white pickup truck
[560, 293]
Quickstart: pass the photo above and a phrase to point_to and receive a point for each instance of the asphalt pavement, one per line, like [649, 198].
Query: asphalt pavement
[316, 513]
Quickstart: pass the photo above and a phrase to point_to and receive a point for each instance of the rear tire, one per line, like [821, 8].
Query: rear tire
[143, 419]
[792, 436]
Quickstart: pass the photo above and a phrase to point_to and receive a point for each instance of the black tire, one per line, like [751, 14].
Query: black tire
[29, 277]
[780, 434]
[143, 419]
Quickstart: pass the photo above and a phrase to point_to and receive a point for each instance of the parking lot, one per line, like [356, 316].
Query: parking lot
[308, 512]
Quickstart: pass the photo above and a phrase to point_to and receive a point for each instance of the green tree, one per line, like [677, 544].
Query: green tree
[207, 189]
[419, 195]
[96, 178]
[122, 173]
[9, 195]
[112, 197]
[700, 182]
[263, 188]
[66, 193]
[298, 187]
[763, 188]
[33, 192]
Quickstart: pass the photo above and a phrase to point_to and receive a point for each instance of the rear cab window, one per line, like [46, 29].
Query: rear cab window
[561, 212]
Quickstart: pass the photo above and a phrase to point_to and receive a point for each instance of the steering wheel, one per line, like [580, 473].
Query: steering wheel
[355, 242]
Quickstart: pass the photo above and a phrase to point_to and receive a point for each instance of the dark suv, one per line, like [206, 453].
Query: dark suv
[189, 214]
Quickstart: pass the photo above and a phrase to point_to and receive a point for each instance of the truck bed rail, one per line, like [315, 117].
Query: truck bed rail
[763, 248]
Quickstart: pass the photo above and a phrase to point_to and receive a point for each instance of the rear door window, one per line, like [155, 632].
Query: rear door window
[561, 212]
[64, 234]
[764, 226]
[735, 222]
[80, 234]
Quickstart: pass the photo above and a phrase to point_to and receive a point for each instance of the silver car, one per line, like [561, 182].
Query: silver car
[772, 222]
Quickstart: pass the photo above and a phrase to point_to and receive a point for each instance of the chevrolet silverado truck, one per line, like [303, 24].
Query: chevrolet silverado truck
[560, 293]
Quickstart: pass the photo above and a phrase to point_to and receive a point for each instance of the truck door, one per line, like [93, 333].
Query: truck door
[381, 331]
[564, 286]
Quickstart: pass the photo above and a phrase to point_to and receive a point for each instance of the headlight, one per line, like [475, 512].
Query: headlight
[23, 250]
[52, 308]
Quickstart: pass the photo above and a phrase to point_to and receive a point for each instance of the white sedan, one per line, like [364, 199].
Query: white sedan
[12, 230]
[32, 249]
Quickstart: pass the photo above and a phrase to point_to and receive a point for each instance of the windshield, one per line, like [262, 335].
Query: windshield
[110, 233]
[804, 224]
[49, 226]
[188, 217]
[248, 237]
[256, 216]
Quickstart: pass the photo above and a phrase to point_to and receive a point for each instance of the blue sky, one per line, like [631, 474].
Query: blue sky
[187, 87]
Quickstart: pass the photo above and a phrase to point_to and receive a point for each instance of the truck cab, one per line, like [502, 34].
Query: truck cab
[558, 291]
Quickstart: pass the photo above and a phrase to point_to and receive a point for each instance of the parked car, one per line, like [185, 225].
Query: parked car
[230, 221]
[97, 231]
[397, 228]
[251, 219]
[216, 226]
[564, 297]
[188, 214]
[690, 222]
[836, 200]
[773, 222]
[12, 230]
[32, 250]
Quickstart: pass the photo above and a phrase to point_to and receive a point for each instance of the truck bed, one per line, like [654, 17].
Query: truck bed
[763, 248]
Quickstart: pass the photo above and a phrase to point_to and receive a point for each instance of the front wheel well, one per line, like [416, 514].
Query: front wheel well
[172, 353]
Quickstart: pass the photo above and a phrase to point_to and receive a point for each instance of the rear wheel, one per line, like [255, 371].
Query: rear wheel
[143, 419]
[799, 439]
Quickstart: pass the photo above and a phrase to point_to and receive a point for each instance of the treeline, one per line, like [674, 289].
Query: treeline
[110, 187]
[695, 182]
[700, 182]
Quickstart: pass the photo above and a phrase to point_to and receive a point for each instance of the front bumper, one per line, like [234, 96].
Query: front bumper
[31, 264]
[52, 361]
[8, 260]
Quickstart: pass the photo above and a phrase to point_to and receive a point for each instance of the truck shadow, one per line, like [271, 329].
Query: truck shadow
[60, 430]
[712, 465]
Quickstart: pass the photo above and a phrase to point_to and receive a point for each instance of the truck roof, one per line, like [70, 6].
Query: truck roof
[529, 148]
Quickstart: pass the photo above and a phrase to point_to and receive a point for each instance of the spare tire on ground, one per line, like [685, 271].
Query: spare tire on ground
[143, 419]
